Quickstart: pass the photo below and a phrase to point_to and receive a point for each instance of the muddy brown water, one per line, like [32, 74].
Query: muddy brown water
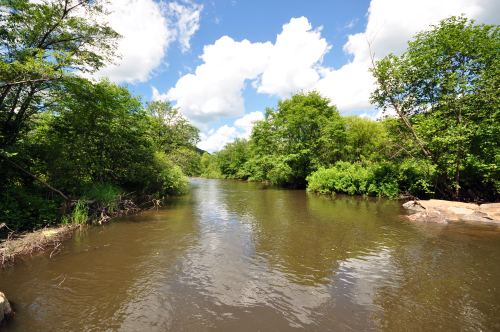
[238, 256]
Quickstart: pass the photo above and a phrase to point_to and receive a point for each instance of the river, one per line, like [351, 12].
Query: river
[239, 256]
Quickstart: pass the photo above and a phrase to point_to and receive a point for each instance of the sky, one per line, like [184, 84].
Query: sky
[222, 62]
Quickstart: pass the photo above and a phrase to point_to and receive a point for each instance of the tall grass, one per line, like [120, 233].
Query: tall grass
[79, 216]
[105, 194]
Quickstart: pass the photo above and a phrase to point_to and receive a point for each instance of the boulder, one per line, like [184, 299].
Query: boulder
[413, 206]
[435, 210]
[456, 207]
[479, 216]
[492, 210]
[430, 216]
[5, 309]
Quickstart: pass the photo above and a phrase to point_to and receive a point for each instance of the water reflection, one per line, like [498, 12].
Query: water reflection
[245, 256]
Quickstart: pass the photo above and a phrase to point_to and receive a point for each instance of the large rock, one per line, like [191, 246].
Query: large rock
[491, 210]
[456, 207]
[439, 211]
[413, 206]
[432, 216]
[5, 309]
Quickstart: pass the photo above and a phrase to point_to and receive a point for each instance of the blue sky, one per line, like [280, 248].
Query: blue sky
[222, 62]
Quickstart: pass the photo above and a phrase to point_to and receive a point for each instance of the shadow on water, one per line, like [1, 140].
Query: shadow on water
[233, 255]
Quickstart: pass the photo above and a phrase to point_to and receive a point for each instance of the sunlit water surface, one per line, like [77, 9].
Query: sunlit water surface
[238, 256]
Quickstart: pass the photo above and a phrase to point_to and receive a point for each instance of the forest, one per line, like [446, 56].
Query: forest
[75, 149]
[442, 139]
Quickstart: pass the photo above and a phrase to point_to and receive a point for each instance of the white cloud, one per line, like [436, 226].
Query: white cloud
[394, 22]
[247, 122]
[188, 18]
[157, 96]
[292, 63]
[215, 89]
[148, 27]
[351, 23]
[225, 134]
[375, 115]
[217, 140]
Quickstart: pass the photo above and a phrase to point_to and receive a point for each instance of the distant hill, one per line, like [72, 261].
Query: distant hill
[200, 151]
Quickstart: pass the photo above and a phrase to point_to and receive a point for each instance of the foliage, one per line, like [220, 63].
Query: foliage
[188, 160]
[95, 143]
[209, 168]
[43, 44]
[162, 176]
[79, 216]
[288, 143]
[445, 89]
[24, 208]
[169, 129]
[377, 180]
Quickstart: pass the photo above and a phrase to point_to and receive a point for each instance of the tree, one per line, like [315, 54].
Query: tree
[42, 44]
[446, 91]
[96, 133]
[288, 143]
[169, 129]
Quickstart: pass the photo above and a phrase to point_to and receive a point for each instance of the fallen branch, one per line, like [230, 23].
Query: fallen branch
[56, 248]
[64, 278]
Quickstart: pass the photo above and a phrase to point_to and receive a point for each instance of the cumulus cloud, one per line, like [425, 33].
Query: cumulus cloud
[226, 134]
[157, 96]
[214, 90]
[148, 27]
[247, 122]
[391, 23]
[295, 55]
[294, 61]
[217, 140]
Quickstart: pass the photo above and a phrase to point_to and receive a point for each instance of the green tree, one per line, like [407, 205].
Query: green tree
[169, 129]
[42, 44]
[288, 145]
[446, 91]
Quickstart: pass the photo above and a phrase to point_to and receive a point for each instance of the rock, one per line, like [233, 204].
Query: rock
[438, 211]
[413, 206]
[479, 216]
[5, 309]
[430, 216]
[491, 210]
[456, 207]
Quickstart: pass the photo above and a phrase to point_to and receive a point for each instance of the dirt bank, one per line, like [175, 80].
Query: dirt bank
[24, 244]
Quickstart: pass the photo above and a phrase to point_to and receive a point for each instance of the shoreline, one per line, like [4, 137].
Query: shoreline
[26, 243]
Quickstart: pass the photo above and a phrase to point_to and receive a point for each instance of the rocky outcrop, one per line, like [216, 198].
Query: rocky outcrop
[442, 212]
[5, 309]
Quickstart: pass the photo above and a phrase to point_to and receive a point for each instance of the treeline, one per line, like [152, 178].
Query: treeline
[73, 149]
[98, 144]
[443, 142]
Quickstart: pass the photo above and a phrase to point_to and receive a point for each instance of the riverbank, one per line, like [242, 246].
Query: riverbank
[16, 245]
[21, 244]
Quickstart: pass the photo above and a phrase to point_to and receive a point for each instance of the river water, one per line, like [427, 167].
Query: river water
[238, 256]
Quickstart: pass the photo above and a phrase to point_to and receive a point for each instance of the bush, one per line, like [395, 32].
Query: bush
[344, 177]
[27, 210]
